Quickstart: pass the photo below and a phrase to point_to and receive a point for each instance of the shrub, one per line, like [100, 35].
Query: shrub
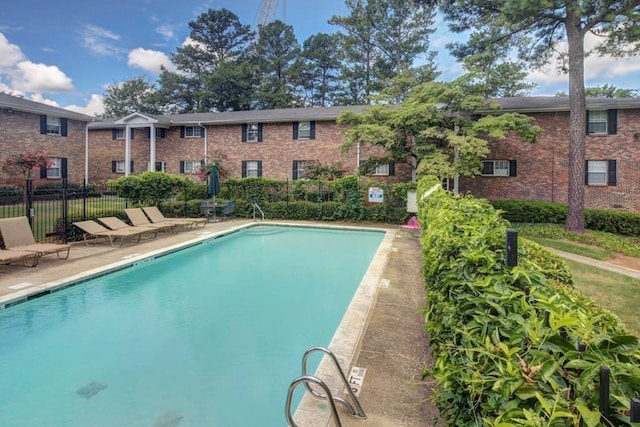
[505, 339]
[10, 191]
[623, 223]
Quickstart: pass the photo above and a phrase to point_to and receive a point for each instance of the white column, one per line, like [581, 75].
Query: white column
[152, 148]
[127, 150]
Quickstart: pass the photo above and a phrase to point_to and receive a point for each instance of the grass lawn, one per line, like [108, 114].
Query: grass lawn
[615, 292]
[563, 245]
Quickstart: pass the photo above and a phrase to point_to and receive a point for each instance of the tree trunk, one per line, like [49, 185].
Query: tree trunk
[577, 124]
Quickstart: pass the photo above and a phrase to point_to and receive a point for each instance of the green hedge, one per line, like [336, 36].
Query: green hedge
[505, 339]
[624, 223]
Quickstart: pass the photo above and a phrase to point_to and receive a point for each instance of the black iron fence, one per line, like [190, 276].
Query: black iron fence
[51, 207]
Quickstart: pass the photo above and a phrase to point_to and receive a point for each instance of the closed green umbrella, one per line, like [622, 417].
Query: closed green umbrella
[214, 182]
[214, 187]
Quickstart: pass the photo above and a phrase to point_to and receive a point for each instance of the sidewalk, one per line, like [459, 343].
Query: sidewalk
[599, 264]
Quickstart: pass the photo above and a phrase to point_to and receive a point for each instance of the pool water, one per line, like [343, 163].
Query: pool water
[207, 336]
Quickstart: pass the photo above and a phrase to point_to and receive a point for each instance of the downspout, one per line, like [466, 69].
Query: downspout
[206, 144]
[86, 153]
[358, 158]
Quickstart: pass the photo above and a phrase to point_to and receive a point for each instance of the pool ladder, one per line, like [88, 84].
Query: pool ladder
[354, 408]
[255, 206]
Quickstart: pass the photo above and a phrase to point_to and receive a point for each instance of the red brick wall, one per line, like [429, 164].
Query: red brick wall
[277, 151]
[542, 168]
[20, 134]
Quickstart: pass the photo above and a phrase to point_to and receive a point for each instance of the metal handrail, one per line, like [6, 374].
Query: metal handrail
[356, 412]
[255, 205]
[305, 379]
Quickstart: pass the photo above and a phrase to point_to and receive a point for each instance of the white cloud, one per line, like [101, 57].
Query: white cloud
[41, 99]
[596, 68]
[10, 54]
[95, 106]
[32, 77]
[149, 60]
[100, 41]
[166, 31]
[19, 75]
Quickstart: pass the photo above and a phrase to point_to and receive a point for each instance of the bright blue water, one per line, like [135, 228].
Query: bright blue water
[208, 336]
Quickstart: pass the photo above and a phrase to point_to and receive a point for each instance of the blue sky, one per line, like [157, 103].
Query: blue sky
[65, 52]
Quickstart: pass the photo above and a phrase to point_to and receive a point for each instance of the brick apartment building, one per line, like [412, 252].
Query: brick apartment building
[279, 144]
[517, 170]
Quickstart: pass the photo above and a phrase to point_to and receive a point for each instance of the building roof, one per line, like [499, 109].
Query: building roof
[14, 103]
[540, 104]
[282, 115]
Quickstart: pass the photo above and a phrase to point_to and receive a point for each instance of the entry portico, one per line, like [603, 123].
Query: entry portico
[139, 120]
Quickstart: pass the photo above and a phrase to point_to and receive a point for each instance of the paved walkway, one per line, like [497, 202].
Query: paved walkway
[599, 264]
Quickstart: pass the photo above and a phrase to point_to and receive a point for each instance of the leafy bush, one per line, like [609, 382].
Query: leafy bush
[55, 190]
[505, 339]
[623, 223]
[150, 188]
[10, 191]
[627, 245]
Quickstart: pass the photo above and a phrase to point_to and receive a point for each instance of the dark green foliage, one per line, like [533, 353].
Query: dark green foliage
[55, 190]
[10, 191]
[531, 211]
[623, 223]
[504, 339]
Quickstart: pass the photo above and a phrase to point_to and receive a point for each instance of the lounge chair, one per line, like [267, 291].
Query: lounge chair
[137, 217]
[116, 223]
[17, 236]
[29, 259]
[93, 232]
[157, 217]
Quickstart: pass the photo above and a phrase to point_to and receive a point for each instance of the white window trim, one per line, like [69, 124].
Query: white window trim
[54, 126]
[55, 164]
[120, 133]
[196, 132]
[192, 166]
[253, 131]
[251, 172]
[304, 130]
[381, 170]
[120, 166]
[600, 115]
[593, 169]
[504, 171]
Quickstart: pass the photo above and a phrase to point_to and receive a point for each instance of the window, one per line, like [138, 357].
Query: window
[53, 125]
[190, 166]
[600, 172]
[158, 167]
[602, 122]
[160, 133]
[251, 168]
[381, 170]
[304, 130]
[300, 169]
[193, 131]
[118, 134]
[598, 122]
[498, 168]
[252, 132]
[117, 166]
[54, 168]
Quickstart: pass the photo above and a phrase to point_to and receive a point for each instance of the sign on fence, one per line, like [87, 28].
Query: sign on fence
[376, 195]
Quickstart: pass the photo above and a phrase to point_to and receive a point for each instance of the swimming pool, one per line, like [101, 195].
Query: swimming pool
[183, 339]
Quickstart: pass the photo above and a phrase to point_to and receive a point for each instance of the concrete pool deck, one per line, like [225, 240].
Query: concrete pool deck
[390, 342]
